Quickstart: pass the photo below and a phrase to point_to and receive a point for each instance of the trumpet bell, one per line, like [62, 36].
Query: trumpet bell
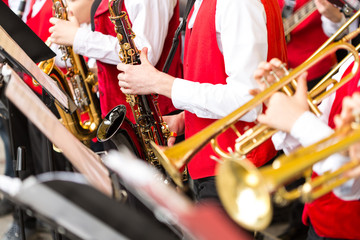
[239, 183]
[170, 168]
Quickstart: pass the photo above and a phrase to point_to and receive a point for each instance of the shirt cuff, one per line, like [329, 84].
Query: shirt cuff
[202, 100]
[349, 191]
[284, 141]
[79, 39]
[330, 27]
[308, 129]
[179, 96]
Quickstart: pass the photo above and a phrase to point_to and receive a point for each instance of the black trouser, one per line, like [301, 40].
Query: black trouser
[312, 82]
[313, 236]
[205, 188]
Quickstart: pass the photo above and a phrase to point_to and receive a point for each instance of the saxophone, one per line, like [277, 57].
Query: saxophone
[149, 125]
[79, 82]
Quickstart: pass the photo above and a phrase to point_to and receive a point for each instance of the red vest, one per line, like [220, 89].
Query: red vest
[6, 2]
[40, 22]
[40, 25]
[110, 93]
[204, 61]
[330, 216]
[305, 39]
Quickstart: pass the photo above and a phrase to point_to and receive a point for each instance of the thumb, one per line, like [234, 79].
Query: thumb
[261, 118]
[72, 18]
[53, 20]
[254, 92]
[143, 56]
[301, 89]
[171, 141]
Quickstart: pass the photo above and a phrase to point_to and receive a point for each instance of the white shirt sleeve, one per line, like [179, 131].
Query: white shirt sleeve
[330, 27]
[104, 48]
[14, 5]
[147, 17]
[288, 143]
[243, 43]
[349, 191]
[308, 130]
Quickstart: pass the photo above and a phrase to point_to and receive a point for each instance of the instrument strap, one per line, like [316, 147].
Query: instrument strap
[288, 8]
[94, 7]
[175, 42]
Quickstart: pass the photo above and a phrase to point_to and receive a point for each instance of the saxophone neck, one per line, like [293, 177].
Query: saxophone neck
[128, 54]
[60, 9]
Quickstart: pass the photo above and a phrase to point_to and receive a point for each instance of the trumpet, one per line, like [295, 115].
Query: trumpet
[175, 158]
[245, 191]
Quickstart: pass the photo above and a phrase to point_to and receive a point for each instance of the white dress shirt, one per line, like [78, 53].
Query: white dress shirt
[14, 5]
[242, 39]
[149, 19]
[330, 27]
[307, 130]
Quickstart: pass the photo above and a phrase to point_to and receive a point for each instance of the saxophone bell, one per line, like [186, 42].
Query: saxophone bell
[111, 123]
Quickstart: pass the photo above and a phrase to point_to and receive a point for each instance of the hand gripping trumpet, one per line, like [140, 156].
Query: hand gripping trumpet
[245, 191]
[176, 157]
[79, 83]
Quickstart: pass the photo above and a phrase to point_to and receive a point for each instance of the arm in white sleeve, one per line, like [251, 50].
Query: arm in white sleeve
[97, 45]
[243, 43]
[288, 143]
[148, 17]
[349, 191]
[330, 27]
[309, 131]
[14, 5]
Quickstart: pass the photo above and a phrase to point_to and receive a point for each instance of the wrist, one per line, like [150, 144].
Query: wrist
[335, 17]
[163, 84]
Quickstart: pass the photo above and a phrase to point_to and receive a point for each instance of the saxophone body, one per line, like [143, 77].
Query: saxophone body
[149, 125]
[79, 82]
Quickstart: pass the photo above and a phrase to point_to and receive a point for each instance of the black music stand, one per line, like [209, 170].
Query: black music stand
[33, 46]
[67, 203]
[20, 48]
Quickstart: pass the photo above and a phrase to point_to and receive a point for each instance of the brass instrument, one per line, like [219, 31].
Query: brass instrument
[79, 83]
[149, 125]
[245, 191]
[176, 157]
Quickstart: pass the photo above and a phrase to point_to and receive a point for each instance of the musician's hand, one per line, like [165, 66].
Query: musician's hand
[262, 73]
[283, 110]
[350, 107]
[328, 10]
[144, 78]
[176, 124]
[63, 32]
